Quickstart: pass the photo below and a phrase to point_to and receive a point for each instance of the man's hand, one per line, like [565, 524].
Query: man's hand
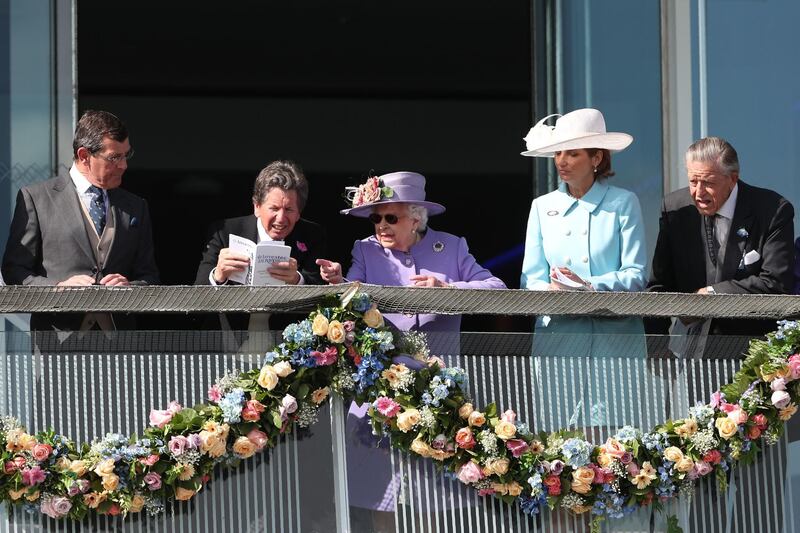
[115, 280]
[330, 271]
[427, 281]
[79, 280]
[229, 262]
[285, 271]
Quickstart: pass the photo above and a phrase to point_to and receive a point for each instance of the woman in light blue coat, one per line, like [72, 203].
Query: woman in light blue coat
[586, 235]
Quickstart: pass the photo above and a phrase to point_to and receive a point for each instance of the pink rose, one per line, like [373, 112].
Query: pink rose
[469, 473]
[614, 448]
[387, 407]
[302, 246]
[174, 407]
[753, 432]
[517, 447]
[349, 325]
[41, 451]
[555, 467]
[760, 421]
[465, 439]
[601, 476]
[288, 406]
[509, 416]
[32, 476]
[152, 480]
[728, 407]
[702, 468]
[794, 366]
[632, 469]
[160, 418]
[56, 507]
[713, 457]
[553, 484]
[9, 467]
[259, 438]
[328, 357]
[780, 399]
[717, 399]
[114, 510]
[626, 458]
[738, 415]
[778, 384]
[485, 492]
[177, 445]
[150, 460]
[252, 410]
[214, 393]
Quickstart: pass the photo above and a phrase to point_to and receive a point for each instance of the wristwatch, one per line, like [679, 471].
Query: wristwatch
[710, 290]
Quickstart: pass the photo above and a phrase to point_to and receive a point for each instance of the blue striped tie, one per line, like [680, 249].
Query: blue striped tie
[97, 209]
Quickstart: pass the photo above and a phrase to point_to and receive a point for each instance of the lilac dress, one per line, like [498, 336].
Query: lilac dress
[371, 482]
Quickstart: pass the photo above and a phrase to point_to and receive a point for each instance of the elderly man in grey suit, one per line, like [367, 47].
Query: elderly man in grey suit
[82, 229]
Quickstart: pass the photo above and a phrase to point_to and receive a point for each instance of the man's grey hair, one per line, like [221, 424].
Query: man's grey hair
[714, 150]
[285, 175]
[420, 213]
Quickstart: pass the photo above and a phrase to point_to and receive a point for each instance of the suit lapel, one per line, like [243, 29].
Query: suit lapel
[66, 203]
[696, 250]
[734, 249]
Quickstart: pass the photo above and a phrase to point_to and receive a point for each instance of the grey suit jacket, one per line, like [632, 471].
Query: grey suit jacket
[48, 242]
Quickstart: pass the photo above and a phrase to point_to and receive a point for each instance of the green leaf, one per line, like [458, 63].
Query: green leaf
[595, 525]
[277, 421]
[672, 525]
[303, 391]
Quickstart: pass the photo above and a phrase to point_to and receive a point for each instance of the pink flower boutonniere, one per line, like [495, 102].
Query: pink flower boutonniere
[302, 246]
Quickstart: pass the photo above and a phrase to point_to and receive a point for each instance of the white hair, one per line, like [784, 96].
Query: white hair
[716, 151]
[420, 213]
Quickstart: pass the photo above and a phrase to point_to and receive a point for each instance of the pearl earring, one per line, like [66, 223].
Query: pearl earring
[595, 170]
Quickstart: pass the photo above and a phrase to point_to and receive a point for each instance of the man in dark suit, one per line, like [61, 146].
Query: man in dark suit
[279, 196]
[82, 229]
[721, 235]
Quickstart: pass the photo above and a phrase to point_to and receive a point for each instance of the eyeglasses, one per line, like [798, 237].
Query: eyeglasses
[116, 158]
[391, 219]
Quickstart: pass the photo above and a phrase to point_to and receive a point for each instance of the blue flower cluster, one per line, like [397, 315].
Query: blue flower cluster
[655, 441]
[531, 505]
[576, 452]
[231, 405]
[611, 503]
[702, 413]
[665, 485]
[299, 333]
[384, 339]
[783, 327]
[437, 391]
[368, 371]
[301, 357]
[360, 302]
[455, 377]
[627, 434]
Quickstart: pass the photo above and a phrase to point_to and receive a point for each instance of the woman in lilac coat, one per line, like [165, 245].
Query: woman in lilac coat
[403, 251]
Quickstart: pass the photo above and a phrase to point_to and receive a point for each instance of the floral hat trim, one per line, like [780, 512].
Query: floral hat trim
[374, 190]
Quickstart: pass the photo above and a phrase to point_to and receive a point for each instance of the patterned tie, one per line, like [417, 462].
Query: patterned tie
[97, 209]
[711, 239]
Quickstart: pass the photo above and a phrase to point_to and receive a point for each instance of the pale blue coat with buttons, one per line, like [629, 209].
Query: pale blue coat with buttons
[601, 238]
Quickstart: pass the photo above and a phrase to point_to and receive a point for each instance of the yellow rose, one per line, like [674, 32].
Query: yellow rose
[727, 428]
[27, 442]
[421, 448]
[505, 430]
[93, 499]
[104, 468]
[62, 464]
[208, 440]
[319, 395]
[187, 473]
[268, 377]
[283, 369]
[476, 418]
[514, 488]
[244, 447]
[17, 494]
[218, 449]
[687, 429]
[685, 464]
[137, 503]
[581, 487]
[583, 475]
[373, 317]
[500, 488]
[787, 412]
[183, 494]
[604, 460]
[320, 325]
[110, 482]
[673, 454]
[336, 332]
[407, 420]
[465, 410]
[497, 466]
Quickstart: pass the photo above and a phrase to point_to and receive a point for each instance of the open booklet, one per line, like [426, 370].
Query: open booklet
[567, 283]
[262, 255]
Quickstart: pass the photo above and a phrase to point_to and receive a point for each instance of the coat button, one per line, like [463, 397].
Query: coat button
[567, 233]
[585, 232]
[585, 259]
[567, 260]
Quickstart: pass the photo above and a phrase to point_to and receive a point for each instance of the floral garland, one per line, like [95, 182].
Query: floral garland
[425, 408]
[373, 190]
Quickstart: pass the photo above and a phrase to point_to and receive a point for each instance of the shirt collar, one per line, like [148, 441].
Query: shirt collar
[262, 232]
[588, 201]
[81, 183]
[729, 206]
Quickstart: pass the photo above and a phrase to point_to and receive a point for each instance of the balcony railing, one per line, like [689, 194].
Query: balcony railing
[305, 484]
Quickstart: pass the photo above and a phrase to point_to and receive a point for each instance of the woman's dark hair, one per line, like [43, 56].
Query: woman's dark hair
[603, 170]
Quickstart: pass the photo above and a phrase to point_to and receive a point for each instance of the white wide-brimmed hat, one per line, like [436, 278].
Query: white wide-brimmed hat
[582, 128]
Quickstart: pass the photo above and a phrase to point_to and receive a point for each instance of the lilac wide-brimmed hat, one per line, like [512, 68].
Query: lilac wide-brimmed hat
[397, 187]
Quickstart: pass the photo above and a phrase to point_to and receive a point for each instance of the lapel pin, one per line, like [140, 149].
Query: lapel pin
[438, 246]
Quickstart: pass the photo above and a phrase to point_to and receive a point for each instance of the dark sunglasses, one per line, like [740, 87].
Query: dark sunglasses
[375, 218]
